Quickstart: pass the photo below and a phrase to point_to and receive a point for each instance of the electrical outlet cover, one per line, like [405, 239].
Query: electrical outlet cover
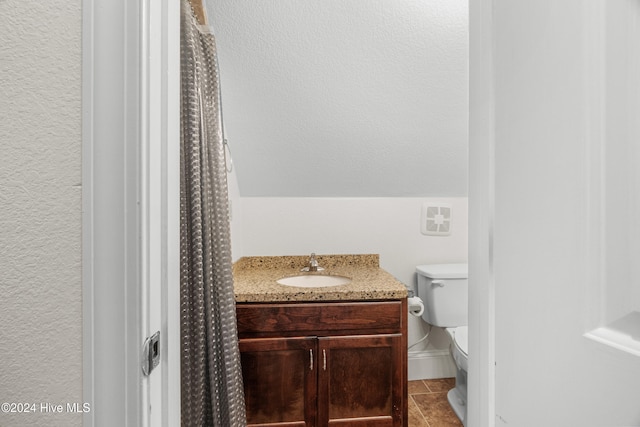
[435, 219]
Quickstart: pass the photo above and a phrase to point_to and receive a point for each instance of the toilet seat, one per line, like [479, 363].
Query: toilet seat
[460, 345]
[460, 338]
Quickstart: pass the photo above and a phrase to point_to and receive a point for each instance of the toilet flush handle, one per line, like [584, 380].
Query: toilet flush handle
[439, 283]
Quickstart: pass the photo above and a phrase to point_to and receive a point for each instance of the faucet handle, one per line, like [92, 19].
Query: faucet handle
[313, 264]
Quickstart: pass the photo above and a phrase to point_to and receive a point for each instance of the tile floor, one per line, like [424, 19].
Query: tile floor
[428, 405]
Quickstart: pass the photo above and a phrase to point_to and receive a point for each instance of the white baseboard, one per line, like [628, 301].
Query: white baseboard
[430, 364]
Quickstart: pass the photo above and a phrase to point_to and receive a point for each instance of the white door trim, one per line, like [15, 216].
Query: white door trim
[111, 232]
[481, 380]
[167, 31]
[130, 131]
[111, 295]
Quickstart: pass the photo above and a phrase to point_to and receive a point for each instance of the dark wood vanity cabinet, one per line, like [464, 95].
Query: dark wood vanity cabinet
[280, 384]
[320, 364]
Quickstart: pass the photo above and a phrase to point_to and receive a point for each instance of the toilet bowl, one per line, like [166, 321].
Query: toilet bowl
[444, 290]
[457, 396]
[459, 346]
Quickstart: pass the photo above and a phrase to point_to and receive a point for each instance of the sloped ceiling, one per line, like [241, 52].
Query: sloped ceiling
[345, 98]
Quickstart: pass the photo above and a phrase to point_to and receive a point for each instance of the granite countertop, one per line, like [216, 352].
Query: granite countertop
[255, 279]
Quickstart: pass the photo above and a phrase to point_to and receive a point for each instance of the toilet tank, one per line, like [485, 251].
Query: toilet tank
[444, 290]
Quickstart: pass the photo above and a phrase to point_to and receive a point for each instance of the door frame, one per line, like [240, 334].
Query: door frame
[112, 80]
[482, 341]
[130, 190]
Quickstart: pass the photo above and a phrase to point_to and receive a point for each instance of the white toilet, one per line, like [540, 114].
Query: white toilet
[444, 290]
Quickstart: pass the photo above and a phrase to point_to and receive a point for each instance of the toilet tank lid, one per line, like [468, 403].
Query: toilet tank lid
[443, 271]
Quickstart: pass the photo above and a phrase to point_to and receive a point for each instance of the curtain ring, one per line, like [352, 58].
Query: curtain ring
[227, 159]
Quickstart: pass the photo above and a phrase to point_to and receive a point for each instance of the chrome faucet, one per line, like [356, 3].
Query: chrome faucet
[313, 264]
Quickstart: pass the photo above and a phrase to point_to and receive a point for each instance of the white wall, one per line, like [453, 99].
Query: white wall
[345, 98]
[235, 215]
[389, 227]
[386, 226]
[40, 208]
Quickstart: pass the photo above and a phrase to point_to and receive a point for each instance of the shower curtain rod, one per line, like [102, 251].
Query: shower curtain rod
[199, 11]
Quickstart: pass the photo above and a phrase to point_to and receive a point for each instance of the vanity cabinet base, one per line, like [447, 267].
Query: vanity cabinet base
[345, 369]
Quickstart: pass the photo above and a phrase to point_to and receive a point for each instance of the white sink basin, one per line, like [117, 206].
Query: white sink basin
[314, 281]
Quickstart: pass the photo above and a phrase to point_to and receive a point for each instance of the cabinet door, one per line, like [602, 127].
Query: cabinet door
[280, 383]
[360, 381]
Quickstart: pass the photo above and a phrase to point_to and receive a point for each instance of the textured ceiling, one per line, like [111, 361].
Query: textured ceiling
[345, 98]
